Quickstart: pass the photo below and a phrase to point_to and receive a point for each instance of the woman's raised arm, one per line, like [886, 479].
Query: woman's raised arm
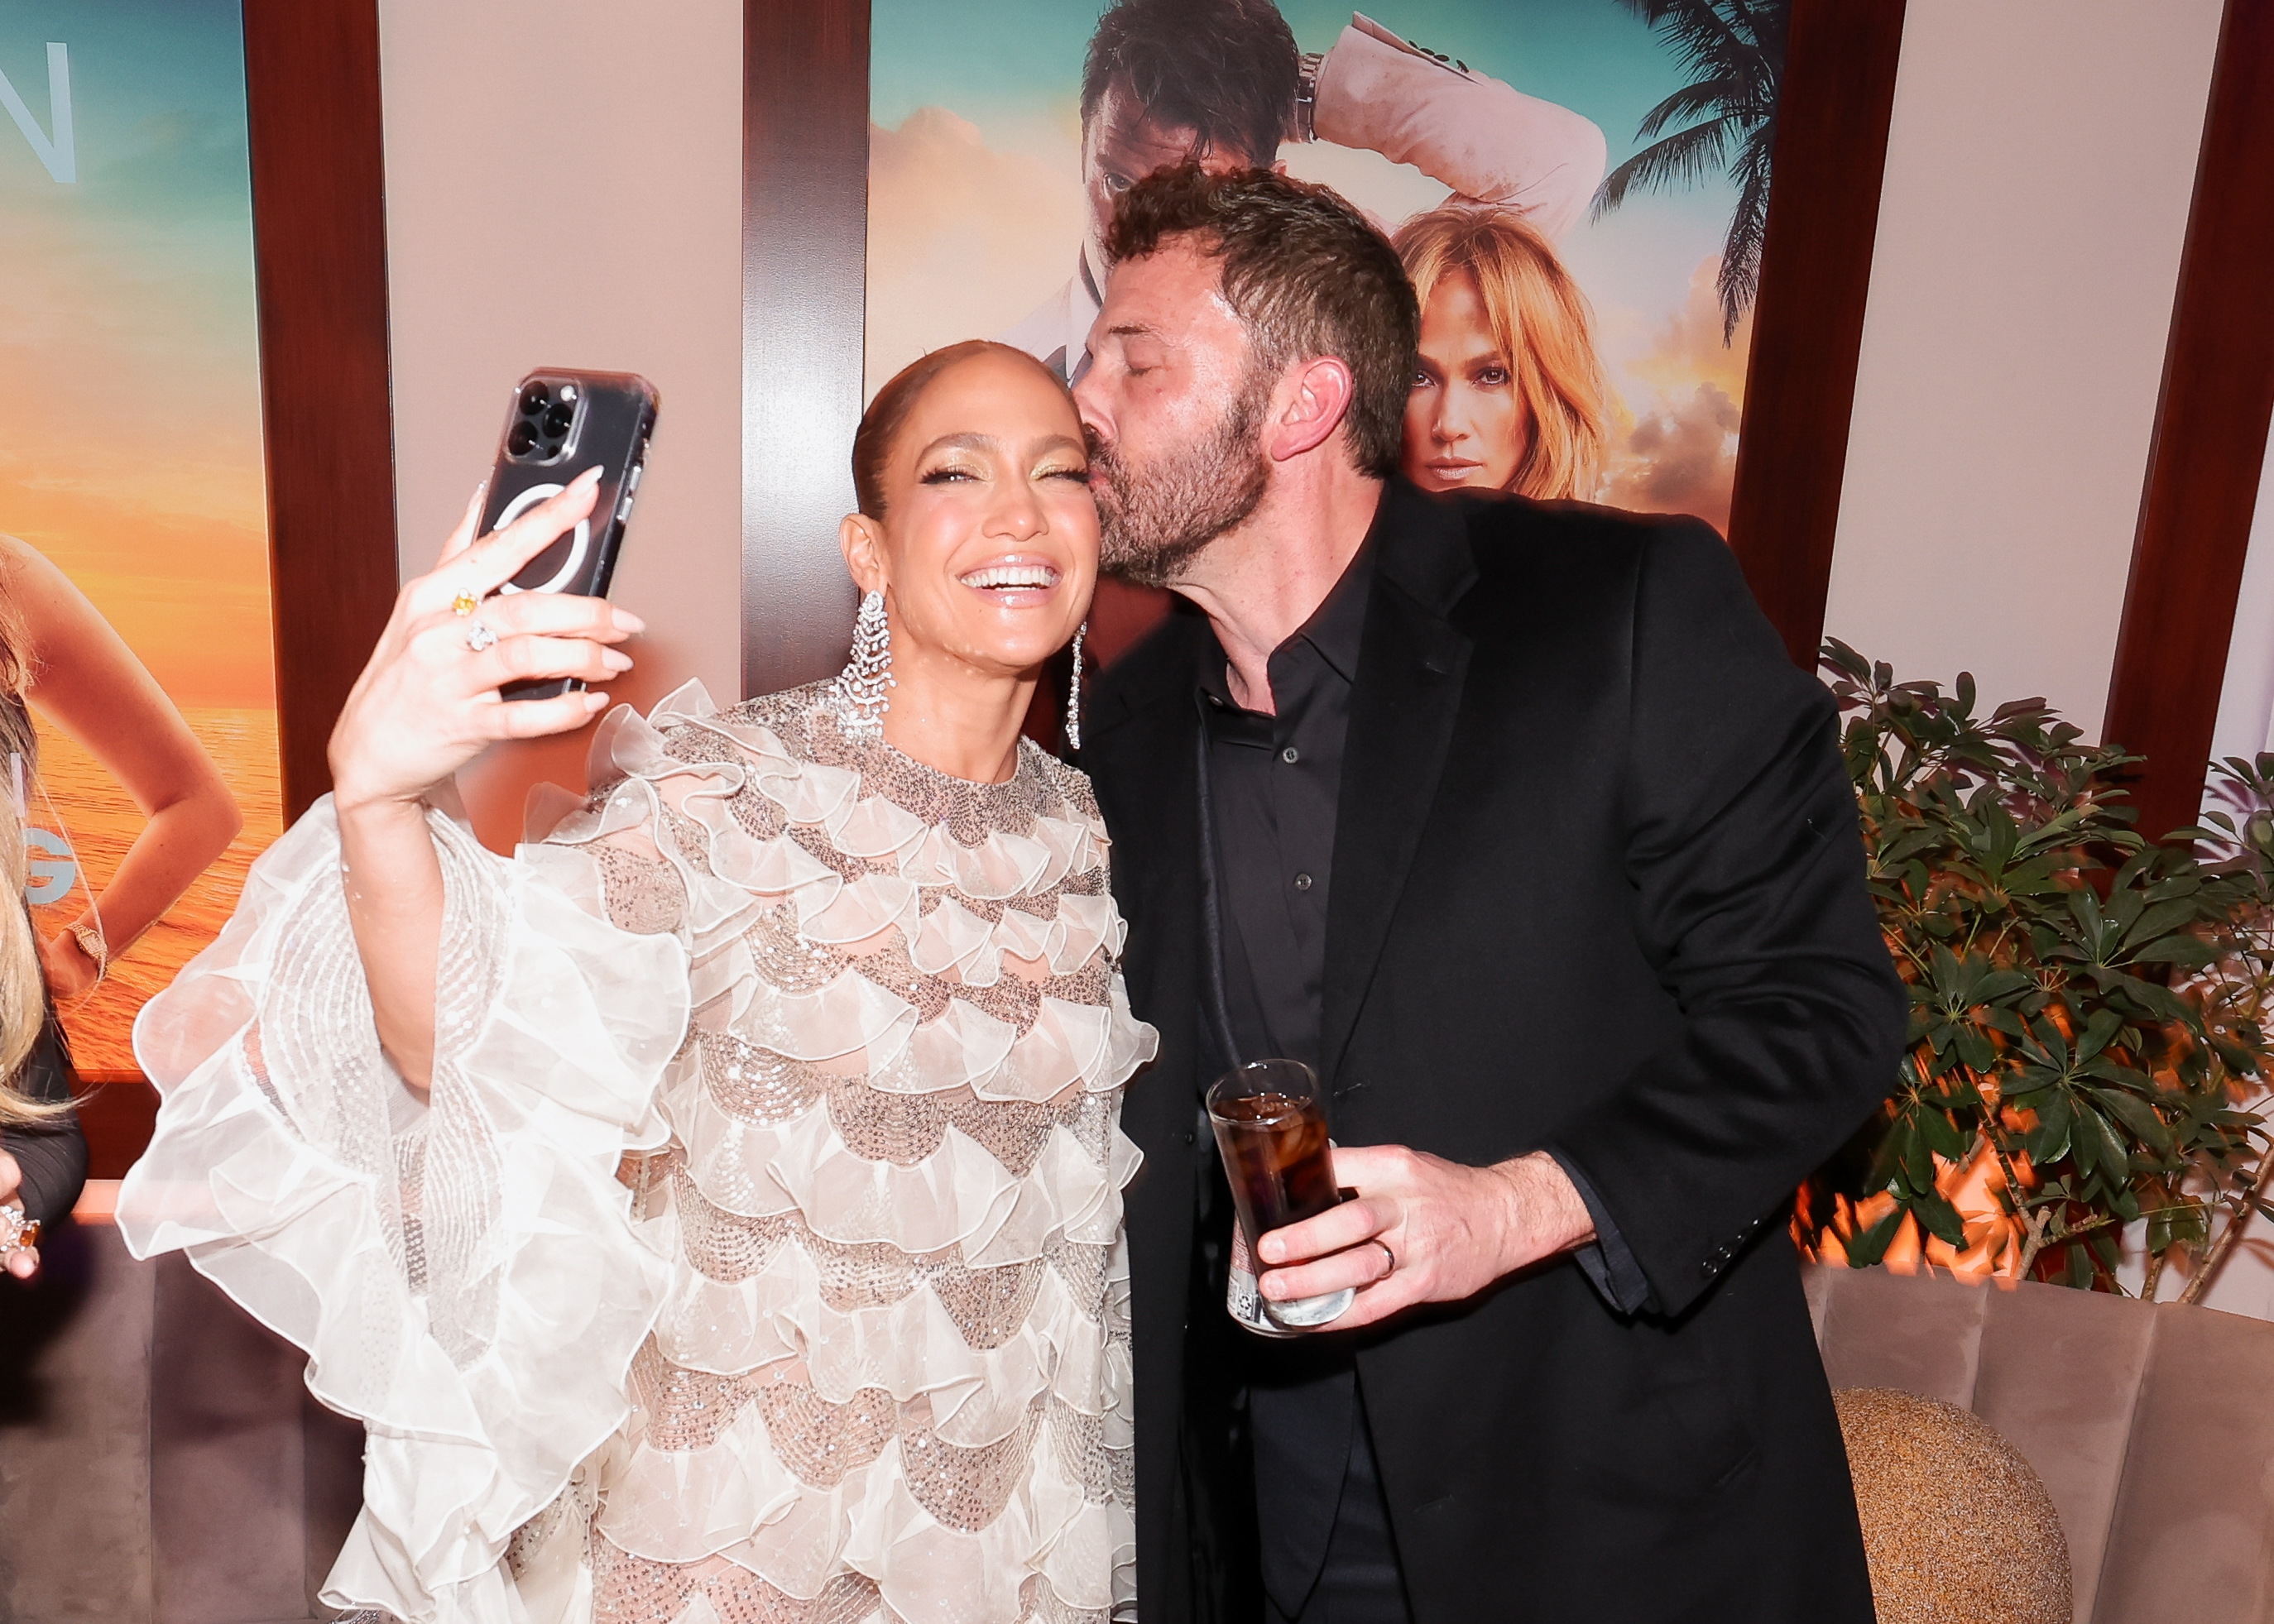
[426, 705]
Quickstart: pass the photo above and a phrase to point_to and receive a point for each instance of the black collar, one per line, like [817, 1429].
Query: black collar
[1335, 629]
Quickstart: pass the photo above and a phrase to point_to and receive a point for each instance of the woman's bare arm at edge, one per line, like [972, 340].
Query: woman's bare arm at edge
[425, 705]
[84, 678]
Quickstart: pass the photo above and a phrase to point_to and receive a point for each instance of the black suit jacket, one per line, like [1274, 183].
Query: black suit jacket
[1597, 885]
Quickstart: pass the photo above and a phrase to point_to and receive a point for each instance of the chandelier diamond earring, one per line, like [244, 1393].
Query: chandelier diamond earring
[1073, 692]
[863, 684]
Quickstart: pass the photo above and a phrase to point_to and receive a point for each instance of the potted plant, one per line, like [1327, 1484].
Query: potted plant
[2087, 1006]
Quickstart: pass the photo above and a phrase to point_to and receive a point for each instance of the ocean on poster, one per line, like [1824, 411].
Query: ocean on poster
[130, 422]
[977, 212]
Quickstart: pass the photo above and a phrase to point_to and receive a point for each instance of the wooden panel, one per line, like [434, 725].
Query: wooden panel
[117, 1113]
[1837, 95]
[319, 251]
[805, 210]
[319, 261]
[2210, 440]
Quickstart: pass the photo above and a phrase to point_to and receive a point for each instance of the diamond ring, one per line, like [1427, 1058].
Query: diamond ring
[464, 604]
[479, 636]
[16, 1230]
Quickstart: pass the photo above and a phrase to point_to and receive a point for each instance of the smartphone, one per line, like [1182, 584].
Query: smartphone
[562, 423]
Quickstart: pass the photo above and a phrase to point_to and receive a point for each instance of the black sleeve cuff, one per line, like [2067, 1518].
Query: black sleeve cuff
[1607, 1262]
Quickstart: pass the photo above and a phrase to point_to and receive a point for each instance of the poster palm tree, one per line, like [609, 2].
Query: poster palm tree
[1733, 52]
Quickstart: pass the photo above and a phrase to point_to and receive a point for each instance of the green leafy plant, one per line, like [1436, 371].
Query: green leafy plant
[2086, 1006]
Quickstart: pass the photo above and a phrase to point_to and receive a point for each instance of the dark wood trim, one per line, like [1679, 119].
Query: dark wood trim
[805, 237]
[2210, 442]
[319, 253]
[1833, 108]
[319, 262]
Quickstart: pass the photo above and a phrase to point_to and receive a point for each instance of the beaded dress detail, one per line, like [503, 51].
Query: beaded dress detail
[758, 1254]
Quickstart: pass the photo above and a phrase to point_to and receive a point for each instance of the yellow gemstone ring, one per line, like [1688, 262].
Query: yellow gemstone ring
[464, 604]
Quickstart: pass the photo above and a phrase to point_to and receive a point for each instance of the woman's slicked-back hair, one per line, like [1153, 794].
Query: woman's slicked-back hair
[880, 425]
[1305, 275]
[1541, 323]
[1226, 70]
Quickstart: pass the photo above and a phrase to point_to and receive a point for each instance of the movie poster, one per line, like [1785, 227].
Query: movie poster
[131, 456]
[1605, 162]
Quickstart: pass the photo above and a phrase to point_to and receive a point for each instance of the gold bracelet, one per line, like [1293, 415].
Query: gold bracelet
[90, 942]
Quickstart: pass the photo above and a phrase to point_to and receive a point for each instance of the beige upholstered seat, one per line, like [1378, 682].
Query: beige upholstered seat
[2148, 1424]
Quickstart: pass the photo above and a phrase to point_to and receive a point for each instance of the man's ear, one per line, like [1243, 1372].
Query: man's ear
[1318, 398]
[861, 540]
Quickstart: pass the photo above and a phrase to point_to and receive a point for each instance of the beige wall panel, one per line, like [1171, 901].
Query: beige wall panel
[564, 188]
[2039, 168]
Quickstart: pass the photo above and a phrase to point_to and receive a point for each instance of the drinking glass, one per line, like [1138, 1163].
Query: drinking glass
[1270, 1122]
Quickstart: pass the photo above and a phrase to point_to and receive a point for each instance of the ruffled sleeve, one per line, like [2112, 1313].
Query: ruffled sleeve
[466, 1273]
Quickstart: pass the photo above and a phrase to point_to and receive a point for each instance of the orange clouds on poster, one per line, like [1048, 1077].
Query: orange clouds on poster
[131, 446]
[1673, 440]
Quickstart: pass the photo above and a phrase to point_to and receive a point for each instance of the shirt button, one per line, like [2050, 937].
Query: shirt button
[1290, 755]
[1302, 882]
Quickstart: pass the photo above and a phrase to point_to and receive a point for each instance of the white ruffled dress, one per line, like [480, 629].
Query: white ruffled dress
[756, 1254]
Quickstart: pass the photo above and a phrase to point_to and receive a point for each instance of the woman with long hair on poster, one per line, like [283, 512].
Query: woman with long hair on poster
[714, 1211]
[1507, 392]
[57, 654]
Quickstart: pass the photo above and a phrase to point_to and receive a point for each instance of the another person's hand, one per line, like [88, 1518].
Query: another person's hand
[1423, 1231]
[427, 704]
[70, 973]
[21, 1262]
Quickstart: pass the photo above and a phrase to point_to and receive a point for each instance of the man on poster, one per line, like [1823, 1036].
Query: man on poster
[1516, 822]
[1222, 82]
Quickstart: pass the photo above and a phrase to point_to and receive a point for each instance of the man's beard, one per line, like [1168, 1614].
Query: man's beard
[1157, 517]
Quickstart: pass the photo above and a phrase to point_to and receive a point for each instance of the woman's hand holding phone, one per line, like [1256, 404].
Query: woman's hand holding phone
[427, 703]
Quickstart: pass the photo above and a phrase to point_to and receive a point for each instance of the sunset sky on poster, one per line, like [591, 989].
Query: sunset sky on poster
[130, 423]
[975, 209]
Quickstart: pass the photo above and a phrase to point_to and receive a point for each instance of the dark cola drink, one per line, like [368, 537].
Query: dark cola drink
[1275, 1153]
[1271, 1129]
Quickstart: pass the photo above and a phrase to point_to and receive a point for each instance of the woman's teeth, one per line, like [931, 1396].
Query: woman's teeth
[1031, 577]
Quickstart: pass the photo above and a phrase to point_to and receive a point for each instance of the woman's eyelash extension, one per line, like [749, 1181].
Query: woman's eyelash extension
[941, 475]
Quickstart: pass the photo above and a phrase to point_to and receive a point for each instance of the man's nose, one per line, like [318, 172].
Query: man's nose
[1085, 391]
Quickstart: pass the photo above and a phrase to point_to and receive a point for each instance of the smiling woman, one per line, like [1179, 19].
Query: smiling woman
[982, 544]
[827, 1356]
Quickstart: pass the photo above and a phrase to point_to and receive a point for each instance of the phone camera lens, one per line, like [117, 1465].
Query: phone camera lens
[534, 399]
[520, 439]
[557, 420]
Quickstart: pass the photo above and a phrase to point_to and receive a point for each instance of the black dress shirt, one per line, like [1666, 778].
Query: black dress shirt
[1273, 781]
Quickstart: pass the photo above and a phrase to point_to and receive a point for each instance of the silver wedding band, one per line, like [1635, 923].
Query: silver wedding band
[1389, 1254]
[479, 636]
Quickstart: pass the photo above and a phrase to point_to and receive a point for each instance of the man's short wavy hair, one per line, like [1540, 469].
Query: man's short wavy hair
[1308, 276]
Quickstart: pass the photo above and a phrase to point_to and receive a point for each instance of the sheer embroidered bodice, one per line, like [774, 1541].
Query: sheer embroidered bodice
[756, 1254]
